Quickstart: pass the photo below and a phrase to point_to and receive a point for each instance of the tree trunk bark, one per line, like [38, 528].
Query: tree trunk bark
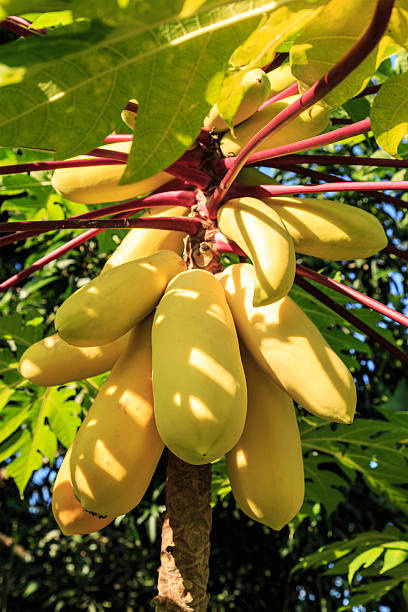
[185, 549]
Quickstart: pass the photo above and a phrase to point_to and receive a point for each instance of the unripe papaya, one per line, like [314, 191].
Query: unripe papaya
[252, 176]
[52, 361]
[329, 229]
[198, 380]
[100, 184]
[279, 79]
[265, 467]
[264, 238]
[68, 512]
[289, 347]
[309, 123]
[117, 447]
[256, 88]
[141, 241]
[117, 300]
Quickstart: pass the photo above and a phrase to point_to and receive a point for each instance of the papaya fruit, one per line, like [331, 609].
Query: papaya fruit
[279, 79]
[140, 242]
[129, 116]
[114, 302]
[198, 380]
[100, 184]
[329, 229]
[68, 512]
[264, 238]
[290, 348]
[265, 467]
[52, 361]
[310, 123]
[117, 447]
[255, 87]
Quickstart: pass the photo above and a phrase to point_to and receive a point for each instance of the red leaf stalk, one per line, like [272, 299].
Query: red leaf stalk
[189, 225]
[292, 90]
[346, 160]
[348, 316]
[355, 129]
[322, 176]
[276, 62]
[21, 26]
[395, 251]
[353, 293]
[170, 198]
[264, 191]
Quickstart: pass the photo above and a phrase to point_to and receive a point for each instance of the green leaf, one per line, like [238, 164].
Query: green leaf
[63, 415]
[389, 113]
[81, 77]
[395, 554]
[10, 424]
[365, 559]
[322, 484]
[376, 449]
[12, 327]
[327, 39]
[398, 26]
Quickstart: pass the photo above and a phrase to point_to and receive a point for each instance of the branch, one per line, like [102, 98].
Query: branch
[353, 293]
[348, 316]
[395, 251]
[321, 88]
[355, 129]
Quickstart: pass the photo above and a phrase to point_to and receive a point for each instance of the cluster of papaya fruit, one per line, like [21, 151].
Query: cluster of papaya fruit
[207, 365]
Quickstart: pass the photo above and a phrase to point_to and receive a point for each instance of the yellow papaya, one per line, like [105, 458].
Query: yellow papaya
[198, 380]
[264, 238]
[255, 86]
[311, 122]
[114, 302]
[129, 116]
[289, 347]
[117, 447]
[140, 242]
[279, 79]
[68, 512]
[265, 467]
[52, 361]
[252, 176]
[328, 229]
[100, 184]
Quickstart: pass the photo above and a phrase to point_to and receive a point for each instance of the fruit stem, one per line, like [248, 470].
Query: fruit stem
[348, 316]
[348, 131]
[319, 90]
[353, 293]
[185, 544]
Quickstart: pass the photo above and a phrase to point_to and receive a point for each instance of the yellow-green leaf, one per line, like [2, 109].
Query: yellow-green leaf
[324, 41]
[389, 114]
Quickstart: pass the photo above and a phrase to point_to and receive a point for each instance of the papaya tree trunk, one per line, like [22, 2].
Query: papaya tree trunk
[185, 547]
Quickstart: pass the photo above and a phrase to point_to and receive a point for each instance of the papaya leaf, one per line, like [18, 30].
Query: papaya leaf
[12, 327]
[375, 449]
[389, 113]
[17, 7]
[81, 76]
[62, 414]
[365, 559]
[327, 39]
[398, 26]
[322, 484]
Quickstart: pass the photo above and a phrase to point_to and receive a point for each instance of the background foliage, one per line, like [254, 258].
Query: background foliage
[349, 544]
